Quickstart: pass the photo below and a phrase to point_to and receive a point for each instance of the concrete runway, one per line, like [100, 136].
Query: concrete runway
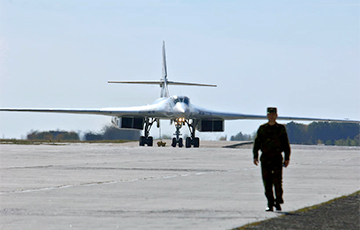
[123, 186]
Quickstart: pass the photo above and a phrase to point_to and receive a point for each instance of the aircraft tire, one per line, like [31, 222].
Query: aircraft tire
[173, 144]
[188, 142]
[196, 142]
[142, 141]
[150, 141]
[181, 143]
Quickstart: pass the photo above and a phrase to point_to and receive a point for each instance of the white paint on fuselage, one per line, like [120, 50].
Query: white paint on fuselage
[172, 108]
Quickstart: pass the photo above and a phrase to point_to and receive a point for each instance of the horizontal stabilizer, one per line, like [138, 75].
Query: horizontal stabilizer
[162, 82]
[137, 82]
[187, 83]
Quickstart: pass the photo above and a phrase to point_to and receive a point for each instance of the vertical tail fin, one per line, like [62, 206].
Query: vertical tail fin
[164, 81]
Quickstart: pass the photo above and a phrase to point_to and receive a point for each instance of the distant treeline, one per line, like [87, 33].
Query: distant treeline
[108, 133]
[243, 137]
[316, 133]
[328, 133]
[53, 135]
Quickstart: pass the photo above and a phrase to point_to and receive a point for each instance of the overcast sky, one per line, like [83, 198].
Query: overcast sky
[300, 56]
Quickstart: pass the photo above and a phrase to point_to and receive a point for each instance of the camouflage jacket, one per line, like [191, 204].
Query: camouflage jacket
[272, 140]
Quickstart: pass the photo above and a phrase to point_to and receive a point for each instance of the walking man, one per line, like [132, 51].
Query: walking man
[272, 140]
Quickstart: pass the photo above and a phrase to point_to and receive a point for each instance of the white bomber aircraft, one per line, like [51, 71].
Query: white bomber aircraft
[177, 109]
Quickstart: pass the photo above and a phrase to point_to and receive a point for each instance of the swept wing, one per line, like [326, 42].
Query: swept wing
[121, 111]
[156, 110]
[200, 113]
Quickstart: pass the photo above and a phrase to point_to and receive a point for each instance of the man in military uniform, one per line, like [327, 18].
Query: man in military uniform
[272, 140]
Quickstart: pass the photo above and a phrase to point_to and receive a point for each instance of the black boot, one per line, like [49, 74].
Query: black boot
[278, 207]
[270, 207]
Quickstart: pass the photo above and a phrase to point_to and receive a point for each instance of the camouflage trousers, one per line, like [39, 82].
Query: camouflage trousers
[272, 177]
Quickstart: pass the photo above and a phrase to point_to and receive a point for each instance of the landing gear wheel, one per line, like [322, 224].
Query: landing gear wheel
[181, 143]
[142, 141]
[150, 141]
[188, 142]
[196, 142]
[145, 141]
[173, 144]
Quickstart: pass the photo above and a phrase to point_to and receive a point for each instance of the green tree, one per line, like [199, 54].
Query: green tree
[297, 133]
[323, 132]
[110, 132]
[52, 135]
[90, 136]
[241, 137]
[328, 142]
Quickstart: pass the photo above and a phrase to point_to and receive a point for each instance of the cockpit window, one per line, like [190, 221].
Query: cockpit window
[177, 99]
[186, 100]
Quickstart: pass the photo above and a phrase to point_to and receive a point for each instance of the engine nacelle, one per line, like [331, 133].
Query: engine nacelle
[211, 126]
[128, 122]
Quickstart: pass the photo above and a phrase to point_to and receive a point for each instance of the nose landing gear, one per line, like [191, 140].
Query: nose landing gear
[178, 140]
[189, 141]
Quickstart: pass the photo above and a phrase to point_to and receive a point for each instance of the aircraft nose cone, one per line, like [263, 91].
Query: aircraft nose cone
[181, 109]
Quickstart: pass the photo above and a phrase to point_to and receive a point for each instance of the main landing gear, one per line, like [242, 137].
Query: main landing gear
[146, 139]
[189, 141]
